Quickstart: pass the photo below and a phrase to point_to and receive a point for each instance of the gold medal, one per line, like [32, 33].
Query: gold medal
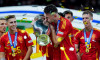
[13, 54]
[87, 50]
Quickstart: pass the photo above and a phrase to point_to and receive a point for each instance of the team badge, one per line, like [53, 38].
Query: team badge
[20, 39]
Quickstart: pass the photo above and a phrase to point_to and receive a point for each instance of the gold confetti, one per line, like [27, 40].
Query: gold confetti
[76, 17]
[62, 48]
[79, 10]
[86, 7]
[24, 18]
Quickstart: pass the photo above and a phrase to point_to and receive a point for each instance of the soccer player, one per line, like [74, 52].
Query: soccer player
[88, 39]
[15, 44]
[44, 49]
[61, 30]
[69, 15]
[3, 26]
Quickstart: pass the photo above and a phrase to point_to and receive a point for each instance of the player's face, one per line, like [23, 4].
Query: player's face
[49, 18]
[86, 20]
[3, 26]
[68, 16]
[12, 24]
[45, 23]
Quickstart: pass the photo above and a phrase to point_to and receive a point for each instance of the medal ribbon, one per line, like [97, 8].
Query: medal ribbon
[57, 26]
[15, 41]
[87, 42]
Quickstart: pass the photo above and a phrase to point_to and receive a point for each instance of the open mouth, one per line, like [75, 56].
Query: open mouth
[4, 29]
[13, 27]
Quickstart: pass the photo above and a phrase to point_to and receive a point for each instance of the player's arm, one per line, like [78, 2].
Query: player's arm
[2, 56]
[29, 44]
[2, 49]
[77, 39]
[34, 20]
[55, 37]
[77, 51]
[62, 32]
[28, 54]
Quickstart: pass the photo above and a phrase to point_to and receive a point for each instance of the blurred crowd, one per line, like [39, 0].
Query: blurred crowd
[92, 5]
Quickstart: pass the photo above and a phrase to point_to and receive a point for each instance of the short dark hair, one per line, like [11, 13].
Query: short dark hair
[61, 14]
[88, 12]
[2, 18]
[67, 12]
[9, 17]
[50, 9]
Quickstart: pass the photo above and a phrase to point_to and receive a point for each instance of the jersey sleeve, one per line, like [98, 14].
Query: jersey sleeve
[2, 47]
[28, 39]
[77, 37]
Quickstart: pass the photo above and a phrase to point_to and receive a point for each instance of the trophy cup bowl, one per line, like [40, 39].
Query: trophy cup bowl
[40, 31]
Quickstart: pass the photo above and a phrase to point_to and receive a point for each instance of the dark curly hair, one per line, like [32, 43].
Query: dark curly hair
[50, 9]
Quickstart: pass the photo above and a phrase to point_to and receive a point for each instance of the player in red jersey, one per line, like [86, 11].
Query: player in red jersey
[2, 31]
[15, 44]
[61, 30]
[48, 49]
[3, 26]
[88, 39]
[69, 15]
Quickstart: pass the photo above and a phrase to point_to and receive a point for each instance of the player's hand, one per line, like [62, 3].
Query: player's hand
[51, 27]
[78, 56]
[33, 21]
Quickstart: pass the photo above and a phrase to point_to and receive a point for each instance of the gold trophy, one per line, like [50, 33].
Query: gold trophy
[40, 31]
[43, 40]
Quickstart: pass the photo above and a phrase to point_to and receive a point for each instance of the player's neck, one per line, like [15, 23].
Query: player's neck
[1, 33]
[89, 28]
[12, 31]
[58, 18]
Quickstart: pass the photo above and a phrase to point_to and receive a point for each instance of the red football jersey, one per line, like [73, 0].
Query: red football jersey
[75, 30]
[52, 53]
[67, 48]
[23, 41]
[94, 44]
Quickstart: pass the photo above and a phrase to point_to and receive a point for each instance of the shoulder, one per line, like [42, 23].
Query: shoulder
[21, 31]
[64, 19]
[96, 29]
[75, 29]
[79, 32]
[4, 35]
[65, 23]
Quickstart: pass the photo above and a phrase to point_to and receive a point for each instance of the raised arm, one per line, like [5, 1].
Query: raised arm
[2, 56]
